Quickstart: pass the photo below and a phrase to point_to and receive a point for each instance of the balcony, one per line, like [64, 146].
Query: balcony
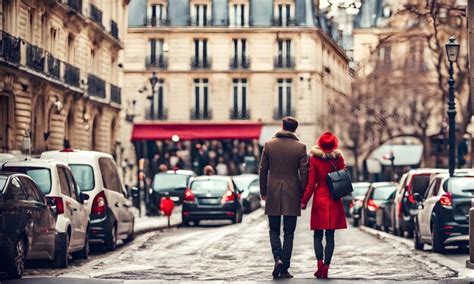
[242, 63]
[54, 66]
[201, 63]
[288, 22]
[284, 62]
[161, 114]
[195, 22]
[203, 114]
[115, 94]
[71, 74]
[156, 22]
[279, 113]
[76, 5]
[35, 57]
[114, 30]
[95, 86]
[238, 114]
[96, 15]
[160, 62]
[10, 47]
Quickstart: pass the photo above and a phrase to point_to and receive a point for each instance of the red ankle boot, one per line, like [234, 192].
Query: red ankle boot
[325, 270]
[319, 272]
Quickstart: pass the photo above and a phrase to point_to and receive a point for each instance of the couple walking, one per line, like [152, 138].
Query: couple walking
[287, 183]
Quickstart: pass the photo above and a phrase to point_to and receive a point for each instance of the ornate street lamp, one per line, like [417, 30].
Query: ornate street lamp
[452, 51]
[154, 104]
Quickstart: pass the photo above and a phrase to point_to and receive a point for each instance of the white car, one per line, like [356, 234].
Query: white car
[111, 212]
[56, 181]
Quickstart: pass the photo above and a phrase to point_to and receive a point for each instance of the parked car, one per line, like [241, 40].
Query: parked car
[383, 220]
[111, 212]
[405, 209]
[28, 224]
[56, 181]
[212, 198]
[172, 182]
[249, 185]
[358, 195]
[443, 216]
[378, 194]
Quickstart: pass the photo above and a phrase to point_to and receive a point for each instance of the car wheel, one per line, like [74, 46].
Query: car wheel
[111, 240]
[196, 223]
[437, 241]
[61, 256]
[84, 253]
[185, 222]
[419, 245]
[131, 235]
[16, 264]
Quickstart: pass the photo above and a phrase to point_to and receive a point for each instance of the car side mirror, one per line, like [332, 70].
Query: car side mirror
[84, 196]
[125, 193]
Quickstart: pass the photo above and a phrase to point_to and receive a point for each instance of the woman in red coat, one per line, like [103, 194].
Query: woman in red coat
[327, 215]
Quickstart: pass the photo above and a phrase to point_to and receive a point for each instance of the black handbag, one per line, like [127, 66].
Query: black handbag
[339, 183]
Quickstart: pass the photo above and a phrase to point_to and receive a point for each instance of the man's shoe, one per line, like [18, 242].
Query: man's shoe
[285, 275]
[319, 272]
[277, 269]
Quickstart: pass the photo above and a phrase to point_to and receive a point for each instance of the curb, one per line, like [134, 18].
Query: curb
[463, 273]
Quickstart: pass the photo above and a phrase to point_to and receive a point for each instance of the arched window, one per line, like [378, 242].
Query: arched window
[95, 134]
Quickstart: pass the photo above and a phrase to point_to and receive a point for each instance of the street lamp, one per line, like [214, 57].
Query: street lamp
[452, 50]
[153, 82]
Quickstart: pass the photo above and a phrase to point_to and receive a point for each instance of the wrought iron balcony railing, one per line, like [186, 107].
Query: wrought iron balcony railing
[35, 57]
[54, 66]
[239, 63]
[157, 62]
[236, 114]
[96, 15]
[10, 47]
[95, 86]
[71, 74]
[157, 22]
[281, 112]
[201, 63]
[288, 22]
[196, 22]
[161, 114]
[76, 5]
[115, 94]
[201, 114]
[114, 30]
[285, 62]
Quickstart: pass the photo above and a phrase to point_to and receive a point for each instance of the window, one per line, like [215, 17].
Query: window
[3, 182]
[84, 176]
[201, 55]
[158, 110]
[165, 182]
[385, 55]
[31, 190]
[31, 25]
[200, 15]
[44, 30]
[240, 59]
[63, 182]
[284, 15]
[157, 15]
[239, 108]
[6, 19]
[72, 185]
[110, 175]
[70, 49]
[201, 99]
[284, 104]
[239, 15]
[52, 40]
[156, 53]
[41, 176]
[284, 58]
[15, 191]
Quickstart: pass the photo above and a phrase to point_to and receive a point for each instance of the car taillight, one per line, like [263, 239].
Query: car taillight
[371, 205]
[399, 209]
[229, 196]
[188, 196]
[99, 205]
[59, 204]
[411, 199]
[446, 199]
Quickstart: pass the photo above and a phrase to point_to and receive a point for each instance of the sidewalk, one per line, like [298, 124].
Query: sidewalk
[145, 224]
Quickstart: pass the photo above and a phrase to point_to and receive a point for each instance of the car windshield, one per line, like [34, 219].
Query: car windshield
[3, 181]
[243, 183]
[41, 176]
[84, 176]
[383, 192]
[461, 185]
[360, 190]
[217, 186]
[163, 182]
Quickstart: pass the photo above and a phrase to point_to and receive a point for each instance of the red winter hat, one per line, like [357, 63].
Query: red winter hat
[328, 142]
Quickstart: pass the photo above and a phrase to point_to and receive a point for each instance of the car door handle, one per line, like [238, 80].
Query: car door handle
[126, 205]
[117, 204]
[74, 209]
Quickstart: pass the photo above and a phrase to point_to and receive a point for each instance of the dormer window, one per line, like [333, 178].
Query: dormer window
[201, 15]
[239, 14]
[156, 15]
[284, 14]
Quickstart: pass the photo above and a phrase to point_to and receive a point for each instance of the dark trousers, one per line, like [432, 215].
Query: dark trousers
[289, 226]
[324, 252]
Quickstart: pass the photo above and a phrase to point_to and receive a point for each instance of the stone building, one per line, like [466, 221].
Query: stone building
[61, 73]
[231, 61]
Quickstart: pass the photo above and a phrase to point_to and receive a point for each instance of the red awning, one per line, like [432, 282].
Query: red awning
[196, 131]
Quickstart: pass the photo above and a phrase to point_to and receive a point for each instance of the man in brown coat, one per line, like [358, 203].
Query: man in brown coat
[283, 178]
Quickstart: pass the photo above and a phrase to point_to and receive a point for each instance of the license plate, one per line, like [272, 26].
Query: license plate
[209, 201]
[174, 198]
[356, 216]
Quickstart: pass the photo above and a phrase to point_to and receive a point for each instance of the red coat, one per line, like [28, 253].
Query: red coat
[326, 213]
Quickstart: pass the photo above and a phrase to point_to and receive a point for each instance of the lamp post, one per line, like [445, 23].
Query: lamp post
[153, 82]
[452, 50]
[155, 100]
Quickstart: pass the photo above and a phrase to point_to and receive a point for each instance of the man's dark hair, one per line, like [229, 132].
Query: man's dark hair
[290, 124]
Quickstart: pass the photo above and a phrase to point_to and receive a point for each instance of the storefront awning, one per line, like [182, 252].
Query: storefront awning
[196, 131]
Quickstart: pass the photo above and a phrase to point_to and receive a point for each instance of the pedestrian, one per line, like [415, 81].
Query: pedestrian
[283, 176]
[221, 167]
[327, 215]
[209, 170]
[163, 168]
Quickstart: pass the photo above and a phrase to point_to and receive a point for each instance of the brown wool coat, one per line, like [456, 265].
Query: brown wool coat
[283, 174]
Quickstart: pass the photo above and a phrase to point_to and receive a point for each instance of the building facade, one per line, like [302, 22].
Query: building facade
[61, 74]
[230, 60]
